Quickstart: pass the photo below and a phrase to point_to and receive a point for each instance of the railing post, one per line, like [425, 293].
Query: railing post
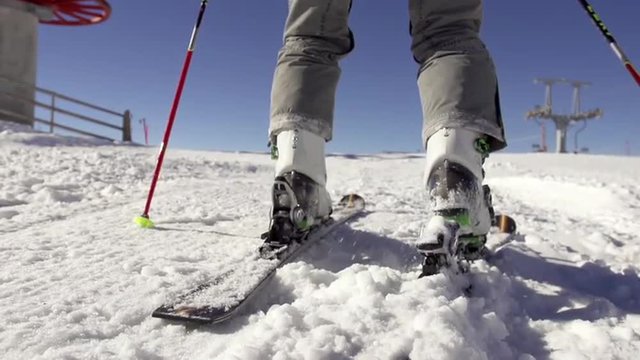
[126, 126]
[53, 111]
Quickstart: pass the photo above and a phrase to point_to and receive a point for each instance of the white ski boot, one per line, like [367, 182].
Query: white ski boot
[299, 195]
[461, 205]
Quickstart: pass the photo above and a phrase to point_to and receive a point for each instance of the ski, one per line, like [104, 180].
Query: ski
[221, 299]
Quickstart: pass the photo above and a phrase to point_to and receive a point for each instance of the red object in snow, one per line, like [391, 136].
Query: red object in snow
[75, 12]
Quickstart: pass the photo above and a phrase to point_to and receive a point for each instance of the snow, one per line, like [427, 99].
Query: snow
[79, 280]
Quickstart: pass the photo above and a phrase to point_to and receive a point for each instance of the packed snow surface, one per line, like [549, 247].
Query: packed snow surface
[79, 280]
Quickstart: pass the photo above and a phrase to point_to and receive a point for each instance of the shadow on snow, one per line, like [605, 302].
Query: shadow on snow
[600, 291]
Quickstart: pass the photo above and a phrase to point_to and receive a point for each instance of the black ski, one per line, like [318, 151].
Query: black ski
[196, 307]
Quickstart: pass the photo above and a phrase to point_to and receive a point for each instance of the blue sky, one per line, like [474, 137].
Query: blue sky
[133, 61]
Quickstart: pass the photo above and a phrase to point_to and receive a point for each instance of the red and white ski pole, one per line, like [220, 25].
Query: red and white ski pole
[144, 220]
[612, 42]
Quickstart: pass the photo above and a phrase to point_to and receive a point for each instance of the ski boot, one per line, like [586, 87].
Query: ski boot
[461, 205]
[300, 201]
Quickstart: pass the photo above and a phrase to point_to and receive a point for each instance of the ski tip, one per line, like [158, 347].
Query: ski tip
[352, 201]
[505, 224]
[144, 222]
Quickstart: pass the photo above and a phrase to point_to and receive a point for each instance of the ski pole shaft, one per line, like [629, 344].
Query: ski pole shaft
[174, 107]
[612, 41]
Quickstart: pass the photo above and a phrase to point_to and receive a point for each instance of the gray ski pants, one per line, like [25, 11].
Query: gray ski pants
[456, 77]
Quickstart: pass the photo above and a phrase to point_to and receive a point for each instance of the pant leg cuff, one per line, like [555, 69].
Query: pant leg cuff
[290, 121]
[467, 121]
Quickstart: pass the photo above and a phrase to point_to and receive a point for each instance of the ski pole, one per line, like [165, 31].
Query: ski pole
[143, 220]
[612, 41]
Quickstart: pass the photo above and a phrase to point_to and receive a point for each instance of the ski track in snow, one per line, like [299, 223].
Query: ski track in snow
[79, 280]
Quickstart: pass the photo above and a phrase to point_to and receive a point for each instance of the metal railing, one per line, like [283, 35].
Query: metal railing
[53, 108]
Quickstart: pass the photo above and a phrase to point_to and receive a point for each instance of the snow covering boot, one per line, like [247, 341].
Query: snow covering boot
[461, 205]
[299, 196]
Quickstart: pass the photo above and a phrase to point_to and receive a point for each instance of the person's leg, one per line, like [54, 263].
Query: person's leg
[316, 37]
[462, 124]
[457, 77]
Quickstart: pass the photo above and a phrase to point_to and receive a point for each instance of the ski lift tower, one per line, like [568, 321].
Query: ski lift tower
[19, 43]
[562, 122]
